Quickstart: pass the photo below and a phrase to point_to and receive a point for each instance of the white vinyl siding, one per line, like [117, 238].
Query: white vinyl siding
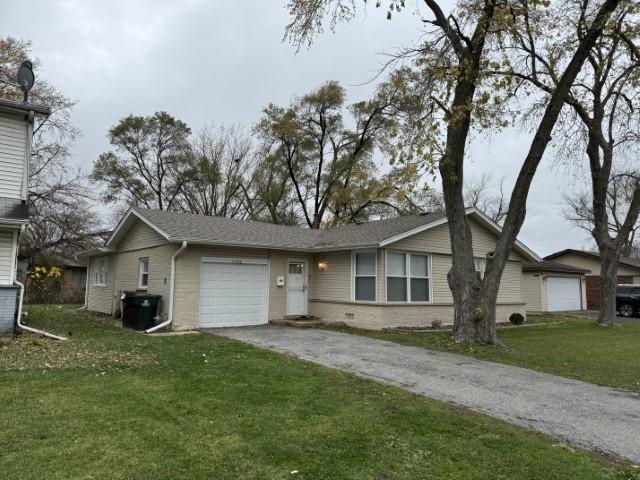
[13, 155]
[6, 256]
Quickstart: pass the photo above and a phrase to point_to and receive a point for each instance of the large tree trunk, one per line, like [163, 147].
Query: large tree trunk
[608, 281]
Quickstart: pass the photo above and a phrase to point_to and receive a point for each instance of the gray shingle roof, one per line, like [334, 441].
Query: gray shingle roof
[549, 266]
[13, 209]
[626, 261]
[205, 229]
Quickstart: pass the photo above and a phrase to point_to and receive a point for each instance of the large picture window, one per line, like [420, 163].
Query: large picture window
[408, 277]
[100, 266]
[364, 276]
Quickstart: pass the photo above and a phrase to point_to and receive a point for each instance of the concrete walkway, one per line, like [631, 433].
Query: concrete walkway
[583, 414]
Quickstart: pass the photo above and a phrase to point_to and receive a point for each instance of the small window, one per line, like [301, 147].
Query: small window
[143, 269]
[100, 267]
[365, 276]
[296, 268]
[481, 265]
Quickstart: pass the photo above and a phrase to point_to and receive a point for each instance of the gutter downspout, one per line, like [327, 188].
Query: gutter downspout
[86, 287]
[30, 329]
[172, 284]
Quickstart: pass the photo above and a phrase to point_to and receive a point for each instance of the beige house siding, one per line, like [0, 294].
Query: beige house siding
[437, 240]
[334, 283]
[532, 291]
[140, 235]
[100, 298]
[188, 270]
[592, 264]
[126, 273]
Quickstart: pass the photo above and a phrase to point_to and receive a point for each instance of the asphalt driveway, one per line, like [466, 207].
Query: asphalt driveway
[583, 414]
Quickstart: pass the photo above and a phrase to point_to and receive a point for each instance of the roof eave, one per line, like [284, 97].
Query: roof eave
[22, 107]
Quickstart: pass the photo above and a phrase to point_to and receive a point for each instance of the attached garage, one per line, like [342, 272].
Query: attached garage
[233, 292]
[553, 287]
[563, 293]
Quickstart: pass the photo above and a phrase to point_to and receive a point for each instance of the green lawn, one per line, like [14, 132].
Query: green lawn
[113, 404]
[570, 347]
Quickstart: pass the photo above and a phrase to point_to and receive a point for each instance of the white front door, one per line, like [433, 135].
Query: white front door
[233, 292]
[297, 287]
[563, 294]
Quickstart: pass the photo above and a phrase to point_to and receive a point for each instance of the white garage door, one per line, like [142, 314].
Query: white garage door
[233, 292]
[563, 293]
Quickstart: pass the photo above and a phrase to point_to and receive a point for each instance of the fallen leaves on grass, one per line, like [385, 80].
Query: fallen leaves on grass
[31, 352]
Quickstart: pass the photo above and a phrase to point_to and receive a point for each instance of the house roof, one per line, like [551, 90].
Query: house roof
[552, 267]
[200, 229]
[15, 106]
[14, 210]
[626, 261]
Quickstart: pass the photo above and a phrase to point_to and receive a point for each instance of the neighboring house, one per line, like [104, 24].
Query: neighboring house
[215, 272]
[16, 130]
[628, 271]
[73, 278]
[553, 287]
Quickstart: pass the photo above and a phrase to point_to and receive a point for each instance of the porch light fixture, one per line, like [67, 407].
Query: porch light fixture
[322, 265]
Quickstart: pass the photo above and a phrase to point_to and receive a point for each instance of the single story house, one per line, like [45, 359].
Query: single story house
[628, 271]
[220, 272]
[549, 286]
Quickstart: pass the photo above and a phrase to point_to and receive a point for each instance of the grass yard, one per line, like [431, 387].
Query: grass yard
[111, 403]
[569, 347]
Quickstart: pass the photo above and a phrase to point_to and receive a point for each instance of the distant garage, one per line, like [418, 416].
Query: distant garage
[553, 287]
[563, 293]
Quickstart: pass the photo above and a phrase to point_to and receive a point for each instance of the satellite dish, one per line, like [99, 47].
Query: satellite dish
[26, 78]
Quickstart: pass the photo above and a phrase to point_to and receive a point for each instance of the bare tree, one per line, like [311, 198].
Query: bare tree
[490, 199]
[61, 221]
[217, 171]
[457, 59]
[621, 190]
[600, 124]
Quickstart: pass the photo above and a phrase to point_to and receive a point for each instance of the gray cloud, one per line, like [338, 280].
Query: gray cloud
[217, 61]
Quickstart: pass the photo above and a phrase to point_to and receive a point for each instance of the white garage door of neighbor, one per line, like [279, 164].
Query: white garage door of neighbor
[233, 293]
[563, 293]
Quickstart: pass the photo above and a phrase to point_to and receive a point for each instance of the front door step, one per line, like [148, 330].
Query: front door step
[300, 321]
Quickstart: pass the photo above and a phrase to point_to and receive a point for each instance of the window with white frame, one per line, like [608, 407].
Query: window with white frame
[143, 272]
[480, 264]
[408, 277]
[100, 266]
[397, 288]
[364, 271]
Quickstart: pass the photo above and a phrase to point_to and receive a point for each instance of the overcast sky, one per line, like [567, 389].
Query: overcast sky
[217, 61]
